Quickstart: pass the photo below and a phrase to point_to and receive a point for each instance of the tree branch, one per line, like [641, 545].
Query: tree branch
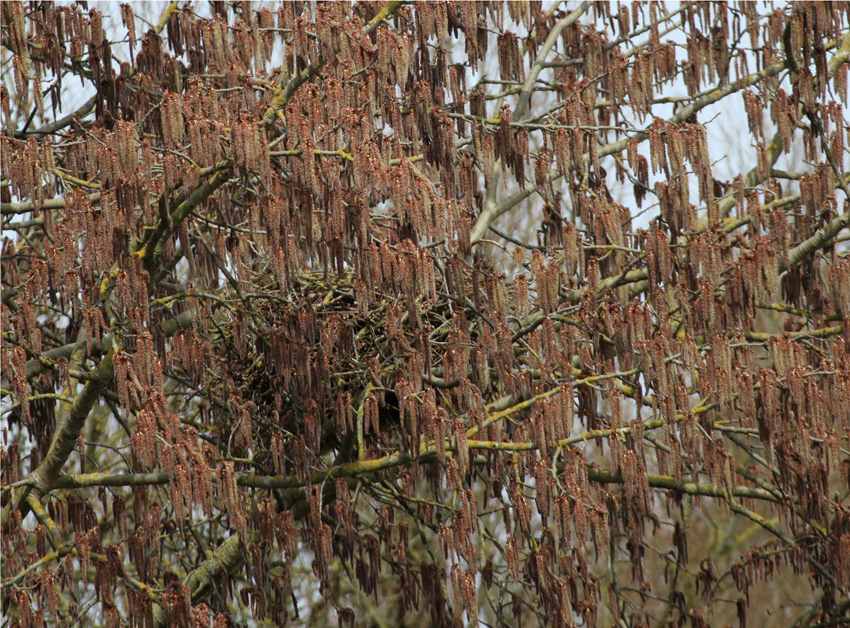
[540, 62]
[818, 241]
[284, 94]
[65, 440]
[491, 213]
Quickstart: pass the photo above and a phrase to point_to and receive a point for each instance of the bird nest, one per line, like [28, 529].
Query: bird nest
[328, 356]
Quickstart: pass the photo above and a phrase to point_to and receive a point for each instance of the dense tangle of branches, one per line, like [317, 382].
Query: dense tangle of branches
[435, 312]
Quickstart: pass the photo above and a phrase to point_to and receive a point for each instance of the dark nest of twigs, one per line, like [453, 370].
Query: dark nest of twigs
[322, 360]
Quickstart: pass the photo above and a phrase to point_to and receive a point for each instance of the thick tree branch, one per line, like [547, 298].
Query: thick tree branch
[227, 558]
[491, 213]
[150, 247]
[524, 101]
[284, 94]
[818, 241]
[43, 477]
[26, 207]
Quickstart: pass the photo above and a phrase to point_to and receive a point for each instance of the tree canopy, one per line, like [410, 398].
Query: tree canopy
[434, 313]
